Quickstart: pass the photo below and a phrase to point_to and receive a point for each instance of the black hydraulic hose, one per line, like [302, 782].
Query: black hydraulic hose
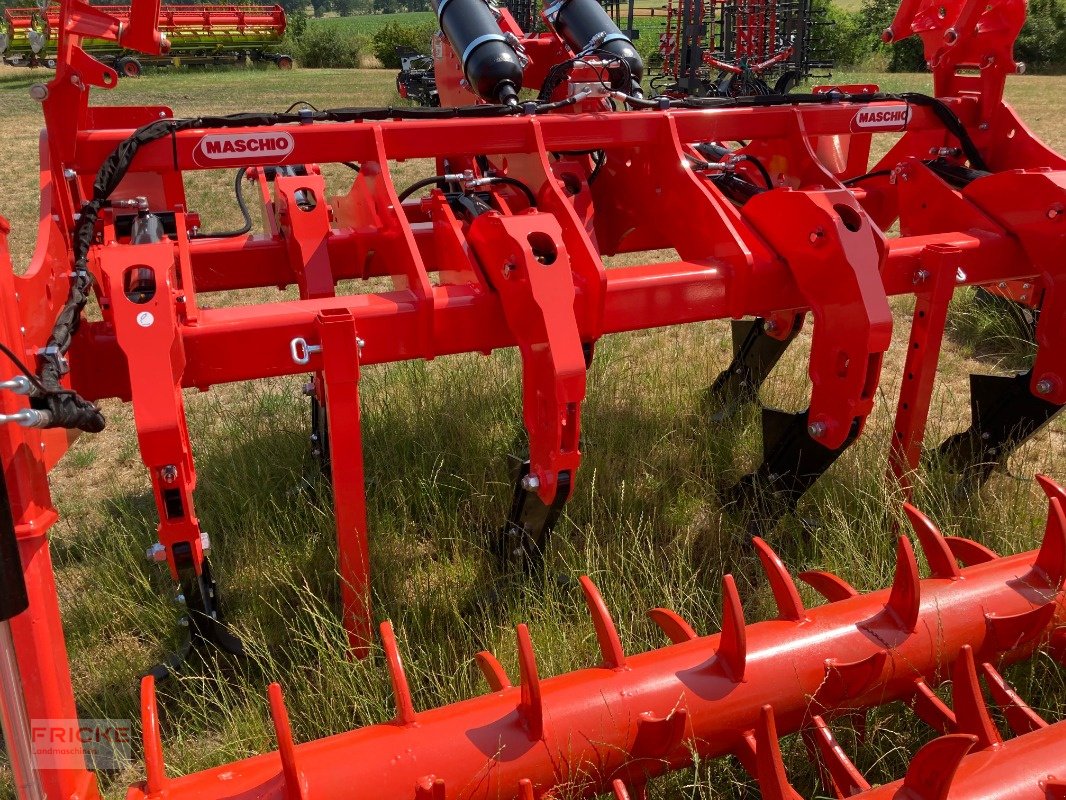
[238, 191]
[758, 165]
[506, 179]
[877, 173]
[433, 180]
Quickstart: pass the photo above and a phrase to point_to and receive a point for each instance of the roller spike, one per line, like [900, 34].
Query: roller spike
[619, 789]
[493, 671]
[969, 552]
[789, 604]
[606, 633]
[733, 644]
[294, 784]
[847, 679]
[832, 587]
[942, 563]
[931, 709]
[843, 776]
[905, 599]
[1020, 717]
[658, 736]
[860, 723]
[931, 770]
[1052, 489]
[154, 769]
[677, 630]
[1051, 560]
[525, 789]
[405, 708]
[769, 765]
[971, 713]
[1005, 632]
[431, 788]
[530, 706]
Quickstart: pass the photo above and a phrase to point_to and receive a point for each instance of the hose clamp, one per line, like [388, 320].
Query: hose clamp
[551, 12]
[441, 7]
[480, 40]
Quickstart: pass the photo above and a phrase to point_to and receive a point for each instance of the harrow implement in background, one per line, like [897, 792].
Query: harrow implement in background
[768, 207]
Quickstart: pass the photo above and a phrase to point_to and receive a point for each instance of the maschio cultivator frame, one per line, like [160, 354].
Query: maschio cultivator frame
[504, 246]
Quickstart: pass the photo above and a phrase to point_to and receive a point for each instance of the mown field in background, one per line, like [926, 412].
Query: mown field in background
[646, 521]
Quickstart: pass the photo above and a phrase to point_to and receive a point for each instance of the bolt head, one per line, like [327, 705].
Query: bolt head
[157, 553]
[169, 473]
[531, 483]
[921, 276]
[770, 326]
[1045, 386]
[816, 430]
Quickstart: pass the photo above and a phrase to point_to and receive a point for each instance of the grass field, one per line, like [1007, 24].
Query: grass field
[646, 521]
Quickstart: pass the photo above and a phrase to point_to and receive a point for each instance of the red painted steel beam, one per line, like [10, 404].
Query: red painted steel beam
[640, 715]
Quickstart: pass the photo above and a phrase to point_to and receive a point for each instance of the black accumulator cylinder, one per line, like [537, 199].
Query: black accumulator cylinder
[579, 22]
[489, 62]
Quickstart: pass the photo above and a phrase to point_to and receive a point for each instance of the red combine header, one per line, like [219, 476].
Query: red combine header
[549, 157]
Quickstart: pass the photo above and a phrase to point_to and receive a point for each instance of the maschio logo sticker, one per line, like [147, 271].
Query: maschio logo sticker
[881, 118]
[272, 148]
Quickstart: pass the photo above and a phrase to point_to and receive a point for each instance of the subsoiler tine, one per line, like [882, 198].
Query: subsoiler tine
[942, 563]
[294, 786]
[154, 769]
[832, 587]
[530, 706]
[493, 671]
[733, 644]
[933, 767]
[1020, 717]
[671, 623]
[405, 709]
[841, 771]
[606, 633]
[971, 713]
[789, 604]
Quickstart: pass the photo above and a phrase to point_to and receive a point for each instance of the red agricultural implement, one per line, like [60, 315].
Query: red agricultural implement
[769, 207]
[190, 34]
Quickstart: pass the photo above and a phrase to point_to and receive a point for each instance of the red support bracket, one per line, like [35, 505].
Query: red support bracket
[526, 262]
[340, 345]
[303, 216]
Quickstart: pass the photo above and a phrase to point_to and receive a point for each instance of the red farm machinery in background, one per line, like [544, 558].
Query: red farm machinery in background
[191, 34]
[741, 47]
[549, 157]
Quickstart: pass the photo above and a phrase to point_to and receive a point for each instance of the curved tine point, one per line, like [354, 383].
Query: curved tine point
[1051, 488]
[769, 765]
[905, 599]
[430, 788]
[154, 768]
[933, 767]
[405, 709]
[530, 708]
[942, 563]
[733, 643]
[971, 713]
[832, 587]
[606, 633]
[1021, 718]
[619, 789]
[847, 679]
[656, 736]
[1051, 560]
[525, 789]
[1009, 631]
[1055, 789]
[931, 710]
[968, 551]
[845, 776]
[789, 604]
[671, 623]
[493, 671]
[286, 747]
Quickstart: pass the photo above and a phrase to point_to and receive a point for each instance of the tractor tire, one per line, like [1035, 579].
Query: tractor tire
[128, 67]
[284, 62]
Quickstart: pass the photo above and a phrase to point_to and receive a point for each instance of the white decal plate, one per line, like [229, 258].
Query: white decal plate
[271, 147]
[892, 117]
